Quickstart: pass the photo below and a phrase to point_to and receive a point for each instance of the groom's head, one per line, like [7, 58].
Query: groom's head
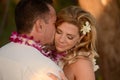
[36, 18]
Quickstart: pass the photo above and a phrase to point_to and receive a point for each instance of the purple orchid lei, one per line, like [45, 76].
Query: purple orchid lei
[24, 39]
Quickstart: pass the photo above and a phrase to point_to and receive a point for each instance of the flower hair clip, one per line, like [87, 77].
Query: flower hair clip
[86, 28]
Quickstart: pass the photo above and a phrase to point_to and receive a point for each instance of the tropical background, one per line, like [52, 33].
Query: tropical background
[107, 14]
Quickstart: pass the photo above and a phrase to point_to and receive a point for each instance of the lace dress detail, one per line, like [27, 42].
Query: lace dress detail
[95, 67]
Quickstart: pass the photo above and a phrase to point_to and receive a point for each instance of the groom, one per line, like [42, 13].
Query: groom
[23, 58]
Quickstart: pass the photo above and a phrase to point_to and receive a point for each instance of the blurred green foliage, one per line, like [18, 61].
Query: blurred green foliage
[64, 3]
[9, 24]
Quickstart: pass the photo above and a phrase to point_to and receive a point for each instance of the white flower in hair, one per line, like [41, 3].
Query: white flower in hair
[86, 28]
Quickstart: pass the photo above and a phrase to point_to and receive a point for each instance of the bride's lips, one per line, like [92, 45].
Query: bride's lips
[60, 46]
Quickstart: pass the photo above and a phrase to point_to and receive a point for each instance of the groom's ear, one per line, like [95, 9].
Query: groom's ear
[38, 26]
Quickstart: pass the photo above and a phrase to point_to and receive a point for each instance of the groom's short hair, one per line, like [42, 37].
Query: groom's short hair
[27, 11]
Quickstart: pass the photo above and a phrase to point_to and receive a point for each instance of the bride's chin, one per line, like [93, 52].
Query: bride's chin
[59, 50]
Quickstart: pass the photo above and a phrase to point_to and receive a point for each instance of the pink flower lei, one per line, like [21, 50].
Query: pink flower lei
[24, 39]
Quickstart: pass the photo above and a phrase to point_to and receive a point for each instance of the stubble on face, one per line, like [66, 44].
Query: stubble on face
[50, 26]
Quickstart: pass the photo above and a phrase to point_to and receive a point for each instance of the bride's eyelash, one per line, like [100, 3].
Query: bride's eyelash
[58, 31]
[70, 37]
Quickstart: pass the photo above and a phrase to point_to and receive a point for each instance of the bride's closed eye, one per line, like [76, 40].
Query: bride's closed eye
[70, 37]
[58, 31]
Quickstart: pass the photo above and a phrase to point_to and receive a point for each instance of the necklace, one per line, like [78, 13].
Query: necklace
[24, 39]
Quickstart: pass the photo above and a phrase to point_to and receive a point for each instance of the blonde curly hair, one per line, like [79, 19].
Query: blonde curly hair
[78, 17]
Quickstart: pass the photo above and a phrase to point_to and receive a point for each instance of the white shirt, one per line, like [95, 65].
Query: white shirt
[22, 62]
